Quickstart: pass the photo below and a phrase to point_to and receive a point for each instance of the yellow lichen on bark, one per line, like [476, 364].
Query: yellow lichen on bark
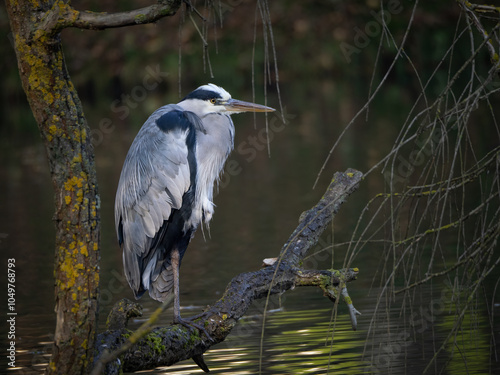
[75, 308]
[93, 210]
[80, 135]
[70, 273]
[71, 266]
[75, 185]
[84, 250]
[73, 182]
[77, 159]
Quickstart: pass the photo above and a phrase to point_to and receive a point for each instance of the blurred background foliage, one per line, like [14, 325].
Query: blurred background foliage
[307, 38]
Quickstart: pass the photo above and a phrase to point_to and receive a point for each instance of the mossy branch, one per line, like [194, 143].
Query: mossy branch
[118, 319]
[165, 346]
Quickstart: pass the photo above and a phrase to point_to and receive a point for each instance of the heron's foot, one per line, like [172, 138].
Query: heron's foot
[189, 324]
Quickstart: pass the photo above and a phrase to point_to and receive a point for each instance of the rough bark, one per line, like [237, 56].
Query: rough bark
[167, 345]
[64, 131]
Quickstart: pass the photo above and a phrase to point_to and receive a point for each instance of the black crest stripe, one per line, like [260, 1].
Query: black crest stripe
[203, 95]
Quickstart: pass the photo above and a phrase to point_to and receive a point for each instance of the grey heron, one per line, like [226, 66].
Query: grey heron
[166, 186]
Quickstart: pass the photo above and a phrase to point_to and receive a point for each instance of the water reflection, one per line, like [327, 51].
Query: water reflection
[312, 341]
[295, 342]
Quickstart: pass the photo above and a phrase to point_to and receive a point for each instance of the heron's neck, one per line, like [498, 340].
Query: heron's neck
[212, 149]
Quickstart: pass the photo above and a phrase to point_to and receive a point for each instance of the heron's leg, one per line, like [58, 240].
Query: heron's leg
[175, 270]
[177, 305]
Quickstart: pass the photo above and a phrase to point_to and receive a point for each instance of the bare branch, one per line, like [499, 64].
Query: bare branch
[352, 310]
[63, 15]
[470, 10]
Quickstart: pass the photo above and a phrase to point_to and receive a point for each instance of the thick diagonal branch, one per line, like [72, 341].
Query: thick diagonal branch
[312, 223]
[168, 345]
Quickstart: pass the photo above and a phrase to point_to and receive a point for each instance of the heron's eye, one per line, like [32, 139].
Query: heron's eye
[213, 101]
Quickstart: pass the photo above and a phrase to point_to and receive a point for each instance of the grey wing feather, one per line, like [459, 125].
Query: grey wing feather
[154, 178]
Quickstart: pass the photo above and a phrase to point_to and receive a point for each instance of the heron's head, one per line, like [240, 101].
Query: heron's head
[209, 99]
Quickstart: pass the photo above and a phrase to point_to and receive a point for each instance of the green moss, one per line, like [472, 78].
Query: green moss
[140, 18]
[324, 282]
[190, 337]
[155, 343]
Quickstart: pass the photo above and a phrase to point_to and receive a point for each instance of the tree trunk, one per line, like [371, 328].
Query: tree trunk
[63, 128]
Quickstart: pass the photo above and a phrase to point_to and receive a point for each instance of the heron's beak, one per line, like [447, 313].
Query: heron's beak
[237, 106]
